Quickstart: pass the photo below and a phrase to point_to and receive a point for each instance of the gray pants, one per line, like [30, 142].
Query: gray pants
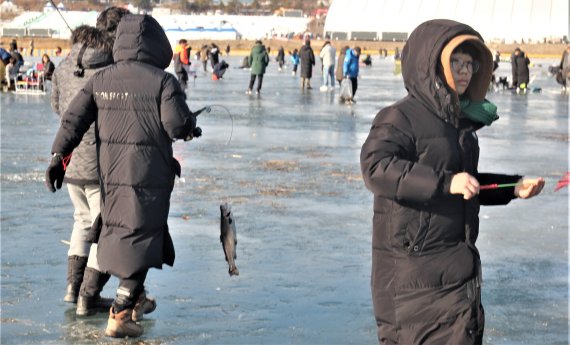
[86, 202]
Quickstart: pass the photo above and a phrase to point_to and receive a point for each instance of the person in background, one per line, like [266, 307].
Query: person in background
[420, 161]
[138, 110]
[307, 62]
[219, 70]
[340, 64]
[328, 55]
[351, 69]
[12, 73]
[91, 50]
[295, 61]
[204, 55]
[228, 48]
[258, 60]
[565, 68]
[32, 46]
[4, 61]
[367, 61]
[13, 45]
[214, 55]
[181, 62]
[280, 57]
[18, 57]
[49, 67]
[521, 73]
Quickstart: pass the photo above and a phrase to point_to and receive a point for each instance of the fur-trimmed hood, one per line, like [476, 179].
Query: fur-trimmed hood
[99, 47]
[424, 72]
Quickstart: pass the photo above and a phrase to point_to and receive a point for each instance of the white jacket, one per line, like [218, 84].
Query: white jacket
[328, 54]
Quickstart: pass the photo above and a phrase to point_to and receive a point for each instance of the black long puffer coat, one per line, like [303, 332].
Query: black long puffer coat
[139, 109]
[425, 266]
[307, 57]
[520, 67]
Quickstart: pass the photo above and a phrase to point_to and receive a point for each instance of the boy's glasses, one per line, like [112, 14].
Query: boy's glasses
[458, 65]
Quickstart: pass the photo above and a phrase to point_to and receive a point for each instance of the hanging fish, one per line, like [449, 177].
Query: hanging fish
[228, 237]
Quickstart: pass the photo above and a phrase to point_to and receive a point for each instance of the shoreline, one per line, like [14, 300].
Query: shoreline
[242, 47]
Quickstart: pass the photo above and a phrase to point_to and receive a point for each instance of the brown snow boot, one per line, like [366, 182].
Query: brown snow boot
[75, 269]
[121, 325]
[145, 305]
[90, 301]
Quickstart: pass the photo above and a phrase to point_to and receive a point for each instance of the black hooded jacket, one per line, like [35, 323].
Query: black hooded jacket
[139, 109]
[424, 253]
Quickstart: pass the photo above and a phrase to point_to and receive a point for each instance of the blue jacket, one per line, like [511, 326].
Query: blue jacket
[350, 65]
[295, 60]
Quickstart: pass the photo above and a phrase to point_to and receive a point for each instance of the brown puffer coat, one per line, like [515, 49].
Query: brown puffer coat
[425, 266]
[139, 109]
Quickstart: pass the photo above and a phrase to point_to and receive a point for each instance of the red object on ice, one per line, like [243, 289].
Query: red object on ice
[563, 182]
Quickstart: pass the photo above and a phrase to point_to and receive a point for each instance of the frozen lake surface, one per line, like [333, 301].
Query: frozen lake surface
[291, 173]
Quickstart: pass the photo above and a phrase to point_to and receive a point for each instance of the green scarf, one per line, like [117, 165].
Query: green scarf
[479, 111]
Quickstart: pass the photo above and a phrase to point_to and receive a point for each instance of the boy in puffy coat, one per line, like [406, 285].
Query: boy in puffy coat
[138, 110]
[420, 161]
[91, 50]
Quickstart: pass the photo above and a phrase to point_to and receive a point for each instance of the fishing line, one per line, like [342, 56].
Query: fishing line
[57, 9]
[208, 109]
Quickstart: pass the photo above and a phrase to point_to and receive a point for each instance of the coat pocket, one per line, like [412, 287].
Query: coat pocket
[416, 232]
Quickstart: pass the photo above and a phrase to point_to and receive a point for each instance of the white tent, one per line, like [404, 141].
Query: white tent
[496, 20]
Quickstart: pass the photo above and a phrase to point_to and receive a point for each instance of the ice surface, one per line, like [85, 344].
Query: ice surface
[291, 173]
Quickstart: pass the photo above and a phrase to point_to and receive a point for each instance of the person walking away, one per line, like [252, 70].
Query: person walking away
[328, 55]
[351, 70]
[420, 162]
[138, 110]
[340, 64]
[181, 63]
[258, 60]
[228, 48]
[565, 68]
[91, 50]
[281, 57]
[521, 73]
[295, 61]
[307, 57]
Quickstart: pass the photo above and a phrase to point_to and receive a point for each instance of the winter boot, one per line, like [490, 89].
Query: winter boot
[121, 325]
[75, 269]
[145, 305]
[90, 300]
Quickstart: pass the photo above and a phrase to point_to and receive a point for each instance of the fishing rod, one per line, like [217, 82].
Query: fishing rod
[563, 182]
[208, 109]
[57, 9]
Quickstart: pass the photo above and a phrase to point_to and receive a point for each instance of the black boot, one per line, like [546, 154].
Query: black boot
[90, 300]
[75, 269]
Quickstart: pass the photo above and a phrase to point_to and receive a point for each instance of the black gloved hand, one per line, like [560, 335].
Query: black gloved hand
[55, 173]
[196, 133]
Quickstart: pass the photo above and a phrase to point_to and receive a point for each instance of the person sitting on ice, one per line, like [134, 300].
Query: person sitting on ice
[219, 70]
